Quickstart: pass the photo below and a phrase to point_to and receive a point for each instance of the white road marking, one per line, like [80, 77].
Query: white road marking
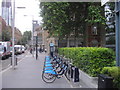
[80, 85]
[6, 69]
[11, 66]
[68, 82]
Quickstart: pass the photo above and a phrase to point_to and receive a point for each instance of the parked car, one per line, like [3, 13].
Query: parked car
[2, 54]
[23, 49]
[5, 49]
[11, 51]
[15, 51]
[18, 49]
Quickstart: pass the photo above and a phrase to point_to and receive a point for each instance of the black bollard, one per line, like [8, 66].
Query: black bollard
[16, 60]
[11, 60]
[36, 48]
[76, 74]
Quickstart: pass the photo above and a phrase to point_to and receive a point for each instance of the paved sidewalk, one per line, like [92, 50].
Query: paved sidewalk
[28, 75]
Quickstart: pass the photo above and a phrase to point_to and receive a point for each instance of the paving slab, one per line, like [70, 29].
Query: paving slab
[28, 75]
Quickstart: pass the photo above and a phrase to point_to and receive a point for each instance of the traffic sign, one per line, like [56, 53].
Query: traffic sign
[104, 2]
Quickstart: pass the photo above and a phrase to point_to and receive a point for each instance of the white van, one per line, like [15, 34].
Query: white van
[23, 49]
[18, 49]
[5, 47]
[2, 54]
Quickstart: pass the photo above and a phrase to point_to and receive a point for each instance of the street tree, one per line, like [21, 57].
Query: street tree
[26, 37]
[6, 36]
[70, 19]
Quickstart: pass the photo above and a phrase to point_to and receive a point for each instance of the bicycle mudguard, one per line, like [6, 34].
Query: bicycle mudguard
[47, 65]
[47, 56]
[48, 68]
[47, 59]
[50, 71]
[48, 62]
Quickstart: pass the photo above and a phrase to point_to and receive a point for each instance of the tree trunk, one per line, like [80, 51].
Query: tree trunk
[102, 36]
[85, 32]
[85, 36]
[68, 42]
[76, 42]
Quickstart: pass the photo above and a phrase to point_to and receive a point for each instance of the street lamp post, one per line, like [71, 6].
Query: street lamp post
[32, 34]
[36, 47]
[13, 35]
[117, 6]
[35, 34]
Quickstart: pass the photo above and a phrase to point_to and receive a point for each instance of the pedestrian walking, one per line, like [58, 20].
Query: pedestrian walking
[51, 51]
[45, 50]
[40, 50]
[31, 50]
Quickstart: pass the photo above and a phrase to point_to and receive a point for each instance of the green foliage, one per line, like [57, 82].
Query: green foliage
[6, 36]
[54, 17]
[113, 72]
[64, 18]
[111, 40]
[89, 59]
[26, 37]
[95, 15]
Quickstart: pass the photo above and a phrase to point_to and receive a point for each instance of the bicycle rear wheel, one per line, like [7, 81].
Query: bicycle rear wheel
[67, 74]
[48, 77]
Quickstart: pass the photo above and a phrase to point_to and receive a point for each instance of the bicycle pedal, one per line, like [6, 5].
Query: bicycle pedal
[59, 77]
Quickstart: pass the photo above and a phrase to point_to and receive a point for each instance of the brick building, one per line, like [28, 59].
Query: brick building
[3, 26]
[18, 34]
[0, 28]
[44, 40]
[95, 36]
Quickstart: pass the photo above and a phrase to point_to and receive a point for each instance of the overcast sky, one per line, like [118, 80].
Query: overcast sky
[31, 11]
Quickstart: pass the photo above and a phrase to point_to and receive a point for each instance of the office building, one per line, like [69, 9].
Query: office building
[6, 11]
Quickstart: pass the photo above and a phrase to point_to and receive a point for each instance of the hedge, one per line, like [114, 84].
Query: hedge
[113, 72]
[90, 59]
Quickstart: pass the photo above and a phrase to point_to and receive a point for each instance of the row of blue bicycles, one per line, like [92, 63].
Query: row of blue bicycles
[54, 68]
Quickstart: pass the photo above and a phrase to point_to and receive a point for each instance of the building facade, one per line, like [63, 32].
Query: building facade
[0, 28]
[44, 40]
[8, 29]
[7, 11]
[18, 34]
[6, 20]
[0, 8]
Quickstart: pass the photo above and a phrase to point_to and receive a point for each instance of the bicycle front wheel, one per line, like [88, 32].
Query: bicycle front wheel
[48, 77]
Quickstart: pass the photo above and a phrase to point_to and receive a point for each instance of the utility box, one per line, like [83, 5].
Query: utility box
[104, 82]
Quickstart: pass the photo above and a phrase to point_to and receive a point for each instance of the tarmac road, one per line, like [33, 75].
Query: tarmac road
[7, 62]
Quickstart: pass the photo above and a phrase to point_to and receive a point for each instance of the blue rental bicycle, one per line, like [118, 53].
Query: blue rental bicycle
[54, 68]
